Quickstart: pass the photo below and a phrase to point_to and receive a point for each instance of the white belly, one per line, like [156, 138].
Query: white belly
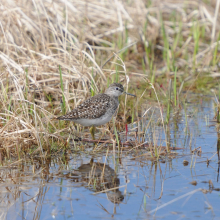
[93, 122]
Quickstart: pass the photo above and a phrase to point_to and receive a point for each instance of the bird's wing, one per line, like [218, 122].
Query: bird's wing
[92, 108]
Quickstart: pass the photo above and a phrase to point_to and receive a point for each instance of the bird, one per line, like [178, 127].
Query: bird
[97, 110]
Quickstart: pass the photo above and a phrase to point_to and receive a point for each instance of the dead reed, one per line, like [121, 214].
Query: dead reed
[54, 54]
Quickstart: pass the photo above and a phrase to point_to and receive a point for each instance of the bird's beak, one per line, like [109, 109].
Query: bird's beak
[129, 94]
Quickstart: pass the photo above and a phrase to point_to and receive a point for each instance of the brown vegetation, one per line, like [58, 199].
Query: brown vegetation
[90, 44]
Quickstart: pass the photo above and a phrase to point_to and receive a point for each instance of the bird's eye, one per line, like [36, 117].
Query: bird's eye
[116, 88]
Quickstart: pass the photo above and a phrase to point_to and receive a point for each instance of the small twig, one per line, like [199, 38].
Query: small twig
[174, 200]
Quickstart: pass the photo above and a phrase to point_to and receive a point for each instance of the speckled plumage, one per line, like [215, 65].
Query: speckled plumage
[98, 109]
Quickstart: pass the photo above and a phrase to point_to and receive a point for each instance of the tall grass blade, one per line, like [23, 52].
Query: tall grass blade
[63, 104]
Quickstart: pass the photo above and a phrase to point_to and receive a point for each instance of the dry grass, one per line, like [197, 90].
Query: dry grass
[38, 37]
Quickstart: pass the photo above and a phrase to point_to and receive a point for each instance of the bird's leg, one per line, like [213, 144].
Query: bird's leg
[92, 132]
[115, 132]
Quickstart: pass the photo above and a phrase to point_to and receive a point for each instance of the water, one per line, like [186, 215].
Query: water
[143, 189]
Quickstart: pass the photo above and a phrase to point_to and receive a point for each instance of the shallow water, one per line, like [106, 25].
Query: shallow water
[143, 189]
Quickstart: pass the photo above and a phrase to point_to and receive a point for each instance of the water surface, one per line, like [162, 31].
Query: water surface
[184, 185]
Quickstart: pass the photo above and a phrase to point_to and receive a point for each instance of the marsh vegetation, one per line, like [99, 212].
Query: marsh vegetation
[159, 157]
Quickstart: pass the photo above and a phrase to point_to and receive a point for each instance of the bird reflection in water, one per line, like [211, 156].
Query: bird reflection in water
[100, 178]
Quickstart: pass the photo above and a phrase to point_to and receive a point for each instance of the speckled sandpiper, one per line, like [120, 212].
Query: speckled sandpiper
[98, 109]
